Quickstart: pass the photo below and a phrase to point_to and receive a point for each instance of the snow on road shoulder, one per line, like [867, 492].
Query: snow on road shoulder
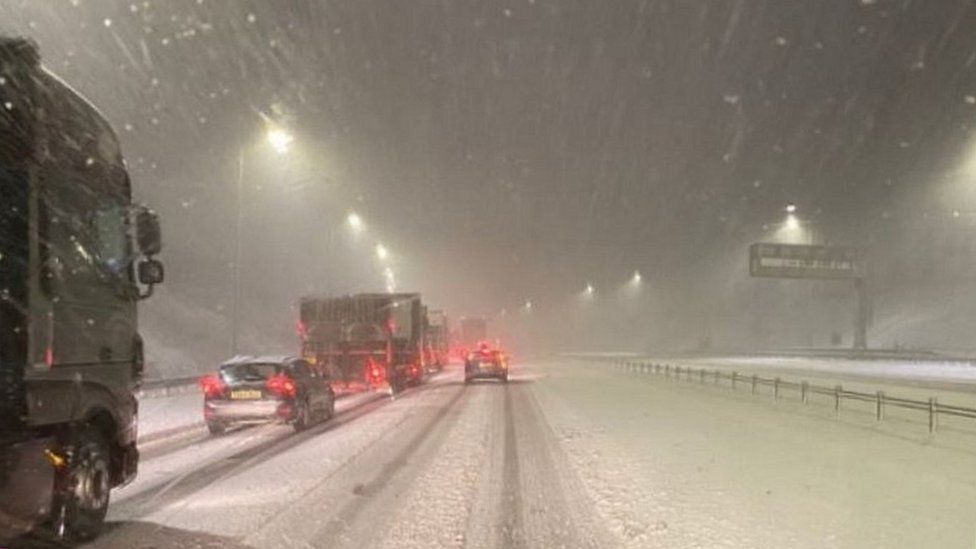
[953, 372]
[676, 465]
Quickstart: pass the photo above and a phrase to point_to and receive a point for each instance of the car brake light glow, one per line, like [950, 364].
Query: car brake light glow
[375, 370]
[212, 386]
[282, 385]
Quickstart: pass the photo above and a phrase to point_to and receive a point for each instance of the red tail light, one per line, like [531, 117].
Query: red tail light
[375, 370]
[212, 386]
[282, 385]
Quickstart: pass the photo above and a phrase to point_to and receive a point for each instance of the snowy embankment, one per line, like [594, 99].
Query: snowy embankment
[929, 370]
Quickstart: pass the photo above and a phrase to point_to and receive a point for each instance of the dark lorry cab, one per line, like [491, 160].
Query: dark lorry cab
[71, 244]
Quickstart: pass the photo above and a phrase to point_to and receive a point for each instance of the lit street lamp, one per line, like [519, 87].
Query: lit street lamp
[355, 222]
[280, 139]
[390, 280]
[792, 223]
[636, 279]
[382, 252]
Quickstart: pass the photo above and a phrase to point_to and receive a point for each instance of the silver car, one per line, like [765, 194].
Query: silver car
[266, 389]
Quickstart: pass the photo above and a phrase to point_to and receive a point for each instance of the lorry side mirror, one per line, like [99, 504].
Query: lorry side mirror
[148, 235]
[151, 272]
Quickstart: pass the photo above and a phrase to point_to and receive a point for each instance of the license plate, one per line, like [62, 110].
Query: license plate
[487, 365]
[245, 395]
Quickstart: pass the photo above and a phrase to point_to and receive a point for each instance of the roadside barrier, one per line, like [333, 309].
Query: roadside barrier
[802, 389]
[166, 387]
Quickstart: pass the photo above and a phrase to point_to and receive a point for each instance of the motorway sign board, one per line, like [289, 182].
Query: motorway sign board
[806, 261]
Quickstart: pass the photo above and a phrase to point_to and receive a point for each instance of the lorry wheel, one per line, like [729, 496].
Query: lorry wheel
[84, 487]
[216, 429]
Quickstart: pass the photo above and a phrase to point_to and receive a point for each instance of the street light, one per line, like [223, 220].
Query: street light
[390, 280]
[589, 290]
[382, 252]
[355, 222]
[280, 139]
[791, 208]
[636, 279]
[792, 223]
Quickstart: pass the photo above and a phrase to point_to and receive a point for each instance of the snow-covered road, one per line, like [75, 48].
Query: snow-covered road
[568, 454]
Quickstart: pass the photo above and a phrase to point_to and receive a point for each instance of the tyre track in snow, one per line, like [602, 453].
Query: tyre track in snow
[181, 487]
[548, 506]
[359, 501]
[511, 500]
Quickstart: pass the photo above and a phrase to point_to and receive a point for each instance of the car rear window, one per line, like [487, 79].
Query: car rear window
[248, 372]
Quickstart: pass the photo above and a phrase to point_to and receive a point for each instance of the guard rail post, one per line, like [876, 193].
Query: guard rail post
[879, 406]
[933, 414]
[734, 375]
[753, 383]
[837, 391]
[804, 386]
[776, 389]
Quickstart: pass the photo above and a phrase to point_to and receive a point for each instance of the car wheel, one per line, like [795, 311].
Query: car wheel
[84, 487]
[216, 429]
[302, 420]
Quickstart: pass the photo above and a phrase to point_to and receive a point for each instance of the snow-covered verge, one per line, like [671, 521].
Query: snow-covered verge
[678, 465]
[957, 372]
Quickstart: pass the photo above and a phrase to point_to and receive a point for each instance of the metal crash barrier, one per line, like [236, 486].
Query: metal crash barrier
[803, 389]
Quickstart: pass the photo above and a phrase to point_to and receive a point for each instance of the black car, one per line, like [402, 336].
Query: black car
[266, 389]
[486, 363]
